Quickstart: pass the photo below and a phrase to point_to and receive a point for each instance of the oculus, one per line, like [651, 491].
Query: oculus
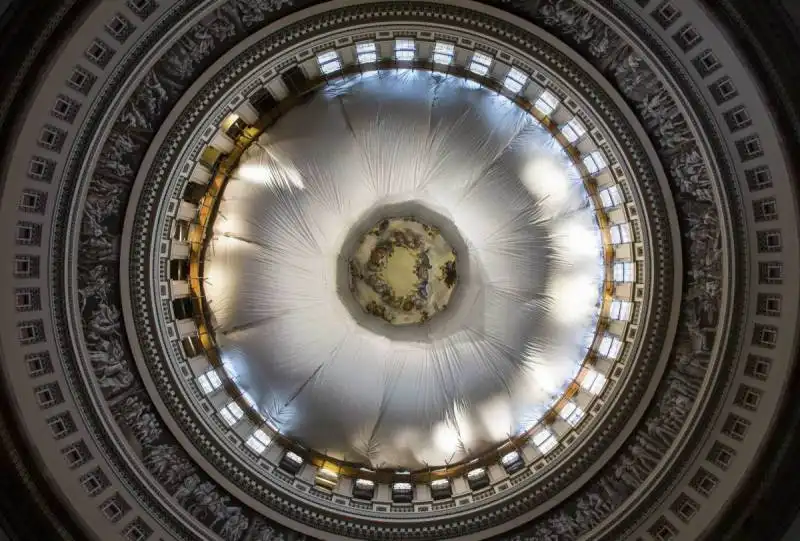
[403, 271]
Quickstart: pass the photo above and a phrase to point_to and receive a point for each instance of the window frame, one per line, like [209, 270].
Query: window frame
[611, 197]
[620, 310]
[480, 63]
[624, 272]
[329, 62]
[46, 396]
[620, 233]
[574, 415]
[685, 40]
[209, 381]
[118, 512]
[574, 130]
[515, 80]
[98, 53]
[770, 272]
[366, 52]
[443, 50]
[765, 209]
[595, 162]
[50, 138]
[758, 367]
[593, 381]
[30, 332]
[232, 413]
[38, 364]
[544, 440]
[402, 48]
[547, 102]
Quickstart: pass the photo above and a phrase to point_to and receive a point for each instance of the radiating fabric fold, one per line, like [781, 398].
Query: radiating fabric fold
[513, 197]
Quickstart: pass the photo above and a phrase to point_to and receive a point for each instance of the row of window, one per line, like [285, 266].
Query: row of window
[543, 439]
[547, 102]
[515, 80]
[405, 50]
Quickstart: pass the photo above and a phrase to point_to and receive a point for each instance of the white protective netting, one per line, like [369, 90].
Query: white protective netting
[534, 250]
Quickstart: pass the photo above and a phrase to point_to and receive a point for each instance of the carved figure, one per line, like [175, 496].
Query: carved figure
[234, 526]
[659, 433]
[186, 489]
[142, 422]
[168, 466]
[97, 285]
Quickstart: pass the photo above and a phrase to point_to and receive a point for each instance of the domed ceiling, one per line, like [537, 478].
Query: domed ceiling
[326, 238]
[423, 270]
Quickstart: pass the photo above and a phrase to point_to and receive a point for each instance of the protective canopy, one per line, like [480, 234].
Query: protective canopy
[504, 186]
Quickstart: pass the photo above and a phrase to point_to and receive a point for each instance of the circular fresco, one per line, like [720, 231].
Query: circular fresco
[403, 271]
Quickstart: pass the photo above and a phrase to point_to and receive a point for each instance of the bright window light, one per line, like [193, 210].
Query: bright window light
[440, 483]
[595, 162]
[249, 399]
[209, 381]
[515, 80]
[401, 487]
[365, 483]
[510, 458]
[367, 52]
[477, 473]
[442, 59]
[621, 310]
[229, 371]
[547, 102]
[610, 346]
[405, 49]
[480, 63]
[623, 271]
[512, 85]
[443, 53]
[573, 130]
[571, 413]
[620, 234]
[593, 382]
[611, 197]
[330, 475]
[444, 48]
[329, 62]
[599, 383]
[327, 56]
[256, 444]
[262, 436]
[231, 413]
[544, 440]
[293, 457]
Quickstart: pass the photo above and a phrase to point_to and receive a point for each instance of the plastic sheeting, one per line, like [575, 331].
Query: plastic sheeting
[516, 200]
